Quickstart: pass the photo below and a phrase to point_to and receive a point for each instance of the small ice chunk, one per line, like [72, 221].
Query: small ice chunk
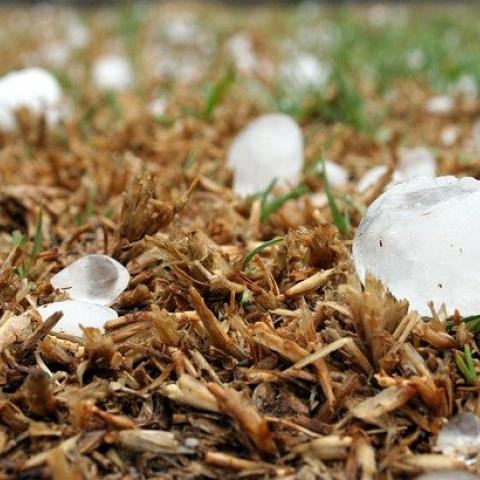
[77, 313]
[305, 71]
[32, 88]
[94, 278]
[460, 437]
[440, 105]
[158, 106]
[416, 59]
[112, 72]
[415, 162]
[466, 85]
[181, 30]
[449, 135]
[78, 35]
[371, 177]
[336, 174]
[269, 147]
[448, 475]
[476, 135]
[240, 47]
[422, 239]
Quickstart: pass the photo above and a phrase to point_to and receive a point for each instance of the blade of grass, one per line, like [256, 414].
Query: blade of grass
[269, 207]
[216, 92]
[466, 366]
[250, 255]
[341, 221]
[37, 239]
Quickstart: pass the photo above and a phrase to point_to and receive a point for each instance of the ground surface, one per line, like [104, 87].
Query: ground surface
[207, 372]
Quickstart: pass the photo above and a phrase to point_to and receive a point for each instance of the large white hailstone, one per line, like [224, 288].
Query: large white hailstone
[305, 71]
[460, 437]
[448, 475]
[32, 88]
[112, 72]
[422, 239]
[440, 105]
[94, 278]
[76, 314]
[269, 147]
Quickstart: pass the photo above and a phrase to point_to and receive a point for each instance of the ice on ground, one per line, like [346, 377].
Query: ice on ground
[94, 278]
[440, 105]
[336, 174]
[466, 86]
[32, 88]
[460, 437]
[476, 135]
[270, 147]
[449, 135]
[158, 106]
[371, 177]
[76, 314]
[422, 239]
[240, 47]
[414, 162]
[305, 71]
[112, 72]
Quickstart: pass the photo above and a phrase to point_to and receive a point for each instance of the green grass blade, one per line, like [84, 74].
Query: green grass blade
[269, 207]
[216, 93]
[37, 239]
[249, 256]
[341, 221]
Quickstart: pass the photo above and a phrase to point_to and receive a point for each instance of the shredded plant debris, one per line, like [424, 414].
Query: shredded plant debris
[245, 345]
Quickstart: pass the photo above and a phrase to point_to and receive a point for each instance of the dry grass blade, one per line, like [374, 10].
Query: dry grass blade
[190, 391]
[217, 335]
[330, 447]
[153, 441]
[371, 409]
[248, 418]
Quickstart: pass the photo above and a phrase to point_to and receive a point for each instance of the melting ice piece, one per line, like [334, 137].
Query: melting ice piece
[336, 174]
[31, 88]
[305, 71]
[77, 313]
[460, 437]
[449, 135]
[414, 162]
[371, 177]
[269, 147]
[440, 105]
[112, 72]
[94, 278]
[158, 106]
[421, 238]
[448, 475]
[241, 48]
